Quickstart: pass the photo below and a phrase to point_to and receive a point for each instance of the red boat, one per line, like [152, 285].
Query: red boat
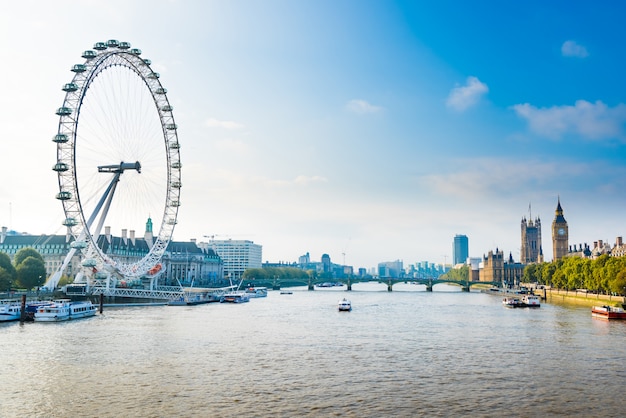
[608, 312]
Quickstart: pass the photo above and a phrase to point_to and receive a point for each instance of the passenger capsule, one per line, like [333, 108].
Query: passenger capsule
[112, 43]
[60, 167]
[79, 245]
[124, 45]
[60, 138]
[64, 111]
[135, 51]
[154, 76]
[176, 184]
[167, 108]
[171, 126]
[160, 90]
[70, 222]
[89, 262]
[176, 165]
[175, 145]
[64, 195]
[99, 46]
[147, 61]
[79, 68]
[89, 54]
[70, 87]
[175, 203]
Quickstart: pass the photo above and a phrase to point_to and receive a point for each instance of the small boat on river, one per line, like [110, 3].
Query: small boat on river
[344, 305]
[531, 301]
[63, 310]
[511, 302]
[256, 292]
[10, 311]
[235, 297]
[608, 312]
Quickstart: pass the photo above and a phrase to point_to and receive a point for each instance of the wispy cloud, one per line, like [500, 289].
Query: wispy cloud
[362, 106]
[224, 124]
[590, 120]
[463, 97]
[573, 49]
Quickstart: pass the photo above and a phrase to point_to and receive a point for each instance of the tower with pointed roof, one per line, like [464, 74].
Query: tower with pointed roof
[560, 234]
[531, 251]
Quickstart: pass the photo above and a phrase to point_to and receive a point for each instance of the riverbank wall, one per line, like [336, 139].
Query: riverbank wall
[579, 298]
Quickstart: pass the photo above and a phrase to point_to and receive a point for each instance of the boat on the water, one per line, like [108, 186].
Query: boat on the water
[63, 310]
[531, 301]
[256, 292]
[82, 309]
[608, 312]
[344, 305]
[286, 292]
[511, 302]
[527, 301]
[235, 297]
[10, 311]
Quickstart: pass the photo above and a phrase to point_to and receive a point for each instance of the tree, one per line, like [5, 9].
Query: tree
[7, 272]
[31, 272]
[24, 253]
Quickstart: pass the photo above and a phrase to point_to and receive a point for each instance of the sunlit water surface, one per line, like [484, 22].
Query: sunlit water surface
[402, 353]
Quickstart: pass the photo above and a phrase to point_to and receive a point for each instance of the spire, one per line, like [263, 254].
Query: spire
[149, 225]
[559, 210]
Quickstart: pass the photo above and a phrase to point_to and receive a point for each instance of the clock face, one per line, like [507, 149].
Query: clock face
[561, 231]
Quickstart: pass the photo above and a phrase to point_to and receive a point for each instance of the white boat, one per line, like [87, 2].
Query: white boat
[82, 309]
[235, 297]
[10, 311]
[344, 305]
[531, 301]
[511, 302]
[58, 310]
[63, 310]
[256, 292]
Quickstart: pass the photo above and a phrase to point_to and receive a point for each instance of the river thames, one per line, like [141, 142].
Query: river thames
[404, 353]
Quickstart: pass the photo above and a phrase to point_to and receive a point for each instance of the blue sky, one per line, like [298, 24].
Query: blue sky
[374, 129]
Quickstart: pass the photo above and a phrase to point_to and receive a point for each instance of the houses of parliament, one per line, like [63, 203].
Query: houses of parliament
[495, 268]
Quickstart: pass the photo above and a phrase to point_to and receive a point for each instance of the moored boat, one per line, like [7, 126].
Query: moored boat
[10, 311]
[63, 310]
[608, 312]
[58, 310]
[256, 292]
[235, 297]
[344, 305]
[82, 309]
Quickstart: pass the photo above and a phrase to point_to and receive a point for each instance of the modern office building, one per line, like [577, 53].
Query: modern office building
[460, 249]
[237, 255]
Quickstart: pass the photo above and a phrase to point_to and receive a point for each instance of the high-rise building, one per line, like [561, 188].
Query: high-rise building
[460, 249]
[237, 255]
[531, 249]
[560, 234]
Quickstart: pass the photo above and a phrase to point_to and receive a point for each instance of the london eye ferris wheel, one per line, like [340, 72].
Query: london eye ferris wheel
[118, 160]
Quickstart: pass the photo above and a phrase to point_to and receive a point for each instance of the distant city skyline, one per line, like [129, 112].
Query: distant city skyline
[367, 130]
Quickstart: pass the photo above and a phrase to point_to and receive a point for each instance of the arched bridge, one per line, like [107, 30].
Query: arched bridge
[349, 281]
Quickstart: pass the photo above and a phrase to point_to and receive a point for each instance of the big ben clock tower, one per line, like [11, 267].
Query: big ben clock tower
[559, 234]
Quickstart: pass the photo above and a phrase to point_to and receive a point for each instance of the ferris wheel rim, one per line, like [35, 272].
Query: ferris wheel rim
[97, 61]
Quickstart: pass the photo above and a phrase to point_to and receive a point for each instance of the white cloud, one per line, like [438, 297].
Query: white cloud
[362, 106]
[572, 49]
[463, 97]
[589, 120]
[224, 124]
